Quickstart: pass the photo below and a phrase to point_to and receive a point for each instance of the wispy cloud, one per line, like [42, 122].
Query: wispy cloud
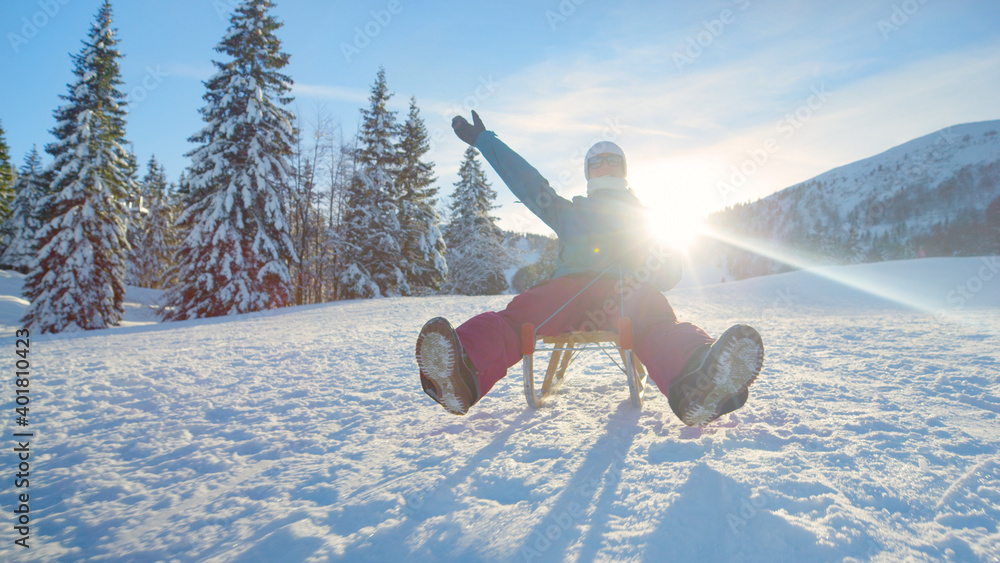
[330, 93]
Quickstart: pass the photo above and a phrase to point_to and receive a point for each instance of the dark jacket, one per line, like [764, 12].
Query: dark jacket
[597, 233]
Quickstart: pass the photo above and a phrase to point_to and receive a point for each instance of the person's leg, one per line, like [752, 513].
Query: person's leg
[703, 378]
[493, 340]
[716, 381]
[662, 344]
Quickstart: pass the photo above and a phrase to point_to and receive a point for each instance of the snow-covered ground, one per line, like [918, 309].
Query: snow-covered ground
[301, 435]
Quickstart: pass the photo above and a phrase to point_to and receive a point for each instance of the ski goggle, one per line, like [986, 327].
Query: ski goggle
[612, 159]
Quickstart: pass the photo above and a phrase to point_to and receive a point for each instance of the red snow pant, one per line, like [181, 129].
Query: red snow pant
[493, 340]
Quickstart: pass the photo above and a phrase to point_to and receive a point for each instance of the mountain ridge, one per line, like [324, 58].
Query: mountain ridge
[935, 195]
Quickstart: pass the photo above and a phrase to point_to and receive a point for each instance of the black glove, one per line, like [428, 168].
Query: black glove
[466, 132]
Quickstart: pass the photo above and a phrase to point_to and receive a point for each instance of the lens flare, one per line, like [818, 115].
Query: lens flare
[843, 276]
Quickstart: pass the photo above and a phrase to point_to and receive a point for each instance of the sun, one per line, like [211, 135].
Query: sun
[674, 193]
[675, 228]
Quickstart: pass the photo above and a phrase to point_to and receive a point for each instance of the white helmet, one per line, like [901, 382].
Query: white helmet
[601, 148]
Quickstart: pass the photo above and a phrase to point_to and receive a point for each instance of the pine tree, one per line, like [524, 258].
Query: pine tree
[22, 227]
[161, 241]
[151, 230]
[235, 257]
[77, 280]
[7, 177]
[373, 265]
[476, 255]
[180, 198]
[423, 243]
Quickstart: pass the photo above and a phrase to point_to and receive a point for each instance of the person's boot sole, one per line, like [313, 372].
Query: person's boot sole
[721, 382]
[438, 350]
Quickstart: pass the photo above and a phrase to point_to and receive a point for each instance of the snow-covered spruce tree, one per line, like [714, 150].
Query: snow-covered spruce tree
[7, 177]
[373, 264]
[21, 228]
[234, 259]
[138, 212]
[161, 242]
[476, 255]
[132, 170]
[181, 197]
[77, 279]
[151, 230]
[423, 243]
[164, 236]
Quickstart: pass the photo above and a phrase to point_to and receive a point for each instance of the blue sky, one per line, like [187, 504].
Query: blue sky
[694, 92]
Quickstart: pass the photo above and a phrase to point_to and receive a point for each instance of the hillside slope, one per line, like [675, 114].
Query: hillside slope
[301, 435]
[928, 197]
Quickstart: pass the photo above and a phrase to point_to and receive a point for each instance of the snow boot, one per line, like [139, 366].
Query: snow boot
[716, 378]
[446, 373]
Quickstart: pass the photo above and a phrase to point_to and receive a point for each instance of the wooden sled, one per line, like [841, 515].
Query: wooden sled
[566, 346]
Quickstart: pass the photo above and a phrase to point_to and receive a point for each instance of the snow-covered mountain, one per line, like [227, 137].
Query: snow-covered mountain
[929, 196]
[301, 434]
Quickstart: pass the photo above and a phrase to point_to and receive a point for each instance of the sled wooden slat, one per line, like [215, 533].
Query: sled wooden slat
[563, 348]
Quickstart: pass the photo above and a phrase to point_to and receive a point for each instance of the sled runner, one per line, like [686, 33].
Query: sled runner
[564, 348]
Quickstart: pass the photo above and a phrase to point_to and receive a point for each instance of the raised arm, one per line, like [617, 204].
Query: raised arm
[521, 178]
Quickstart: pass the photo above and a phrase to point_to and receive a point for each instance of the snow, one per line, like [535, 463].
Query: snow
[301, 434]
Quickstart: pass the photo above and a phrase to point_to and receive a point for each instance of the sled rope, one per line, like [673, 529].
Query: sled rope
[614, 361]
